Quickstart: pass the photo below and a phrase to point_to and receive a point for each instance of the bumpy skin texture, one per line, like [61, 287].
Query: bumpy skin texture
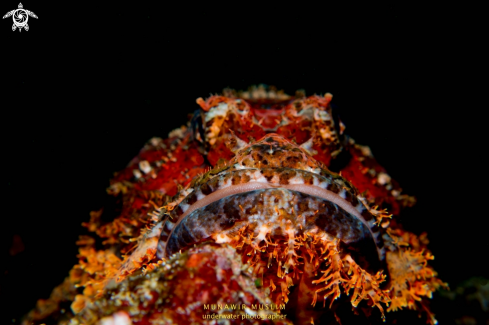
[241, 208]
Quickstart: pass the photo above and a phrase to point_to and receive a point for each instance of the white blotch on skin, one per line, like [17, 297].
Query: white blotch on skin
[383, 178]
[145, 166]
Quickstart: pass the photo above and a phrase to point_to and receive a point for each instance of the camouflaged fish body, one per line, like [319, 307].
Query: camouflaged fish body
[302, 235]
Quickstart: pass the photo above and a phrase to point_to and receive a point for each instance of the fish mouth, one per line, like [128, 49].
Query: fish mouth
[275, 213]
[272, 206]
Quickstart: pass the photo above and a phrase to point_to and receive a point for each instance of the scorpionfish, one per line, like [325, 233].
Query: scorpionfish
[260, 210]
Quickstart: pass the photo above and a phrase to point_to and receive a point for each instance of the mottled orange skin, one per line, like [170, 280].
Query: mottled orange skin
[156, 181]
[363, 170]
[180, 290]
[284, 116]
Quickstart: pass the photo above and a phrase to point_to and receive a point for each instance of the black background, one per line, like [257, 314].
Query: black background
[88, 85]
